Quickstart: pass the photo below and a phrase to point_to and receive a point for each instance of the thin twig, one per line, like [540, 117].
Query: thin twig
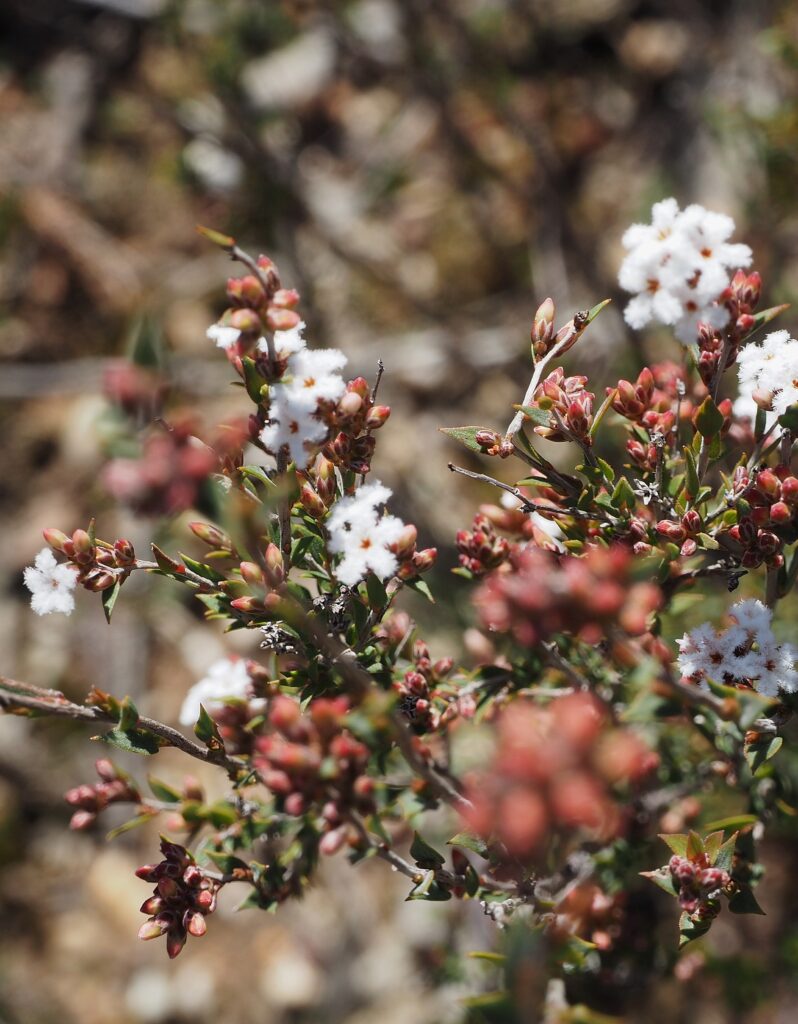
[15, 695]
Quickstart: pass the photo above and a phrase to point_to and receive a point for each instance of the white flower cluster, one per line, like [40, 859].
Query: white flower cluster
[769, 374]
[678, 266]
[311, 377]
[226, 679]
[362, 536]
[51, 584]
[745, 651]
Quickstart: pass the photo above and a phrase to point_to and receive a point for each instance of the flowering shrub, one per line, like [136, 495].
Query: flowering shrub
[601, 724]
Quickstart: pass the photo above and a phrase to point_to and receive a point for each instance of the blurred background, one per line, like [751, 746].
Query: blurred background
[425, 172]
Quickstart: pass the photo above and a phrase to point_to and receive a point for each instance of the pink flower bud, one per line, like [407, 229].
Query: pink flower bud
[195, 923]
[156, 927]
[281, 319]
[246, 321]
[377, 416]
[286, 298]
[275, 567]
[331, 842]
[252, 574]
[780, 513]
[56, 539]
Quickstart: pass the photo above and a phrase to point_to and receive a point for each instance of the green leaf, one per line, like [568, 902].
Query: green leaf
[744, 902]
[676, 841]
[736, 821]
[207, 731]
[708, 419]
[695, 846]
[764, 316]
[789, 419]
[108, 599]
[689, 930]
[128, 715]
[227, 863]
[128, 826]
[421, 587]
[429, 889]
[492, 958]
[258, 474]
[423, 854]
[252, 379]
[470, 841]
[201, 569]
[540, 417]
[465, 435]
[134, 741]
[623, 496]
[663, 878]
[226, 242]
[375, 589]
[712, 844]
[725, 855]
[163, 791]
[691, 482]
[756, 754]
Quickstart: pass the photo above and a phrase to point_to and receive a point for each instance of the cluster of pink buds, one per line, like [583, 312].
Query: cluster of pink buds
[543, 594]
[697, 883]
[259, 304]
[99, 564]
[758, 545]
[645, 402]
[570, 406]
[412, 562]
[312, 762]
[167, 476]
[771, 493]
[114, 787]
[183, 897]
[480, 548]
[590, 913]
[493, 443]
[263, 582]
[740, 298]
[553, 774]
[543, 336]
[417, 687]
[355, 417]
[682, 532]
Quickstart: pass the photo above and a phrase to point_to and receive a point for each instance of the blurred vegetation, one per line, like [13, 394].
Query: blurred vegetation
[425, 172]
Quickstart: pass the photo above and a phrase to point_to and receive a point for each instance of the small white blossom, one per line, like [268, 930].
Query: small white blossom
[226, 679]
[362, 536]
[746, 651]
[293, 425]
[285, 342]
[771, 370]
[314, 376]
[678, 266]
[224, 337]
[51, 584]
[311, 377]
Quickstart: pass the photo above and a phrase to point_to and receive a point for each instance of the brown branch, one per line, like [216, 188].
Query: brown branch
[20, 696]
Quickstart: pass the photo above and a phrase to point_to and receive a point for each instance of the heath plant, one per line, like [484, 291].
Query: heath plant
[600, 725]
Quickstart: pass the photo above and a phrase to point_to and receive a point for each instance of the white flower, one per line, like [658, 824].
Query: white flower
[223, 336]
[770, 368]
[314, 376]
[285, 342]
[226, 679]
[311, 377]
[51, 584]
[678, 266]
[746, 651]
[362, 536]
[293, 425]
